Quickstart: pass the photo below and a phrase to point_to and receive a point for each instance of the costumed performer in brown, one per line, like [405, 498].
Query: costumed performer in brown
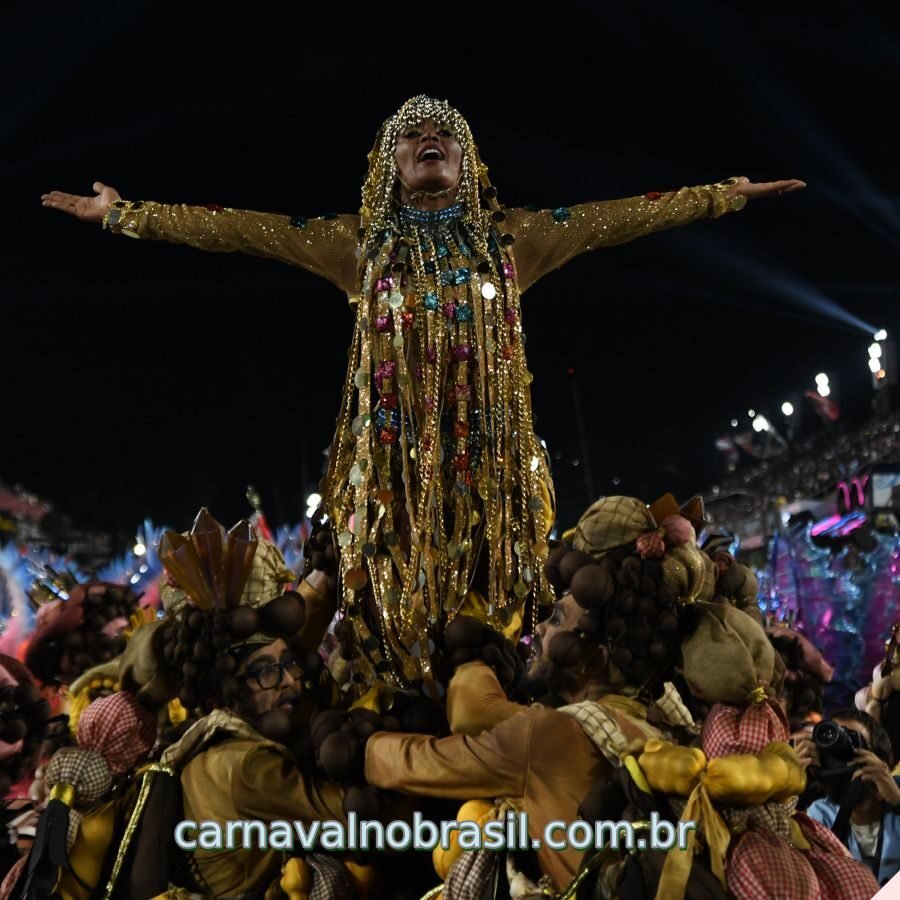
[438, 488]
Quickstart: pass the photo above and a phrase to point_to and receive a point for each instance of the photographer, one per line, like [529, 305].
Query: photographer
[862, 800]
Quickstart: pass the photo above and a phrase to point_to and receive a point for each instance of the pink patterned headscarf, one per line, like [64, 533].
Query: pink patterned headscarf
[120, 729]
[730, 729]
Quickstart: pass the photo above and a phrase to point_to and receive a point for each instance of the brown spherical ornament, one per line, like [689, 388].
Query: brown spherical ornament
[230, 687]
[363, 800]
[658, 651]
[202, 651]
[325, 723]
[389, 723]
[591, 586]
[189, 696]
[668, 623]
[226, 664]
[616, 629]
[625, 602]
[189, 670]
[338, 755]
[646, 607]
[566, 649]
[571, 563]
[275, 725]
[284, 615]
[243, 622]
[463, 631]
[622, 657]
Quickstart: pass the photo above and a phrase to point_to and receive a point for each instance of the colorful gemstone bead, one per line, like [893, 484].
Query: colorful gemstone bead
[447, 277]
[509, 314]
[653, 195]
[431, 353]
[462, 352]
[407, 317]
[460, 429]
[388, 435]
[429, 405]
[464, 314]
[461, 462]
[463, 391]
[508, 271]
[432, 301]
[465, 250]
[383, 324]
[426, 442]
[463, 276]
[506, 351]
[299, 221]
[442, 251]
[389, 401]
[429, 267]
[450, 310]
[561, 213]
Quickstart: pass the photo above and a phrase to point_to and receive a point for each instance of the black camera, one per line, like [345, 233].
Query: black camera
[836, 746]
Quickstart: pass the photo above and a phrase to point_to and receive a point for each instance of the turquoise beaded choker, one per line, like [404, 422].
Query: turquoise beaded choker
[413, 216]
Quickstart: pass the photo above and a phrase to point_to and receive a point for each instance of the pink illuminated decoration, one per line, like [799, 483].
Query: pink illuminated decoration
[852, 493]
[838, 526]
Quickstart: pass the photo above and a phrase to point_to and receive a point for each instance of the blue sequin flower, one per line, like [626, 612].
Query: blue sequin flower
[463, 313]
[299, 221]
[429, 267]
[432, 301]
[465, 250]
[447, 277]
[561, 213]
[462, 276]
[442, 250]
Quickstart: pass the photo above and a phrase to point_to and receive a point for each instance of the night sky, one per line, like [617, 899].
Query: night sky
[145, 379]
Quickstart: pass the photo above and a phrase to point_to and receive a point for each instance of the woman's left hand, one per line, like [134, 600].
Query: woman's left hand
[744, 187]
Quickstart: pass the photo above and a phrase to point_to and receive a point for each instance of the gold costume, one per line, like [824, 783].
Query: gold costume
[536, 759]
[438, 488]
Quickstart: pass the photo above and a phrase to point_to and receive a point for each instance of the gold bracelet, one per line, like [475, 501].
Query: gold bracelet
[112, 221]
[736, 202]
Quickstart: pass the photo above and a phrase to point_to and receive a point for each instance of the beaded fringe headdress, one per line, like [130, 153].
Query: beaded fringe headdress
[437, 485]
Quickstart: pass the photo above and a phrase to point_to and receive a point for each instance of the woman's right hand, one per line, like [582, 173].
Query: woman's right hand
[88, 209]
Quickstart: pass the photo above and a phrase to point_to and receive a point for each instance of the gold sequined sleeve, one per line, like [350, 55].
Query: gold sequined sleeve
[547, 239]
[325, 246]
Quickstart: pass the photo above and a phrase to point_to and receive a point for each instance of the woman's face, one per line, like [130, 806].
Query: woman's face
[429, 158]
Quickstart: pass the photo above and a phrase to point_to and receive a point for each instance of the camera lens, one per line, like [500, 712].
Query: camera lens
[826, 735]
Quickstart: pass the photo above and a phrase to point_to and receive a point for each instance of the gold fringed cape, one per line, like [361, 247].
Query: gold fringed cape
[438, 488]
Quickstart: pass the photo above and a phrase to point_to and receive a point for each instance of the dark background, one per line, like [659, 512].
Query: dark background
[148, 379]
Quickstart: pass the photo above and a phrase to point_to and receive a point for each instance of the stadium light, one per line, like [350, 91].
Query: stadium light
[880, 335]
[821, 379]
[751, 413]
[787, 408]
[760, 423]
[875, 351]
[734, 423]
[139, 548]
[874, 365]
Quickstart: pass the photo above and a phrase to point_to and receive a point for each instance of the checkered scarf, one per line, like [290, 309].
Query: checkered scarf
[120, 729]
[470, 875]
[613, 732]
[87, 772]
[761, 866]
[731, 730]
[330, 880]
